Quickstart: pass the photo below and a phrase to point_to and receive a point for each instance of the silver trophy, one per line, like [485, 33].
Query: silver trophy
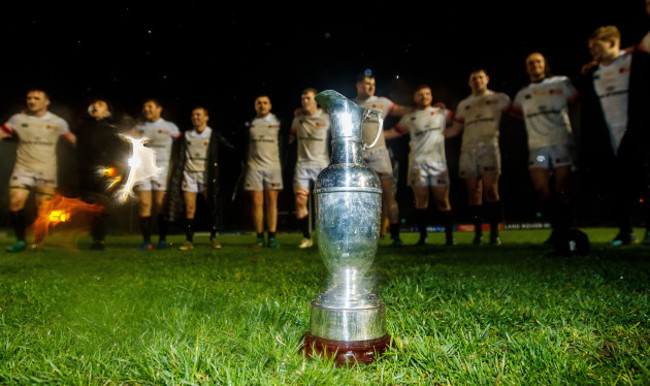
[347, 320]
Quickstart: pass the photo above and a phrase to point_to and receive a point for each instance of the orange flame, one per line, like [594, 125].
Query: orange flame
[58, 210]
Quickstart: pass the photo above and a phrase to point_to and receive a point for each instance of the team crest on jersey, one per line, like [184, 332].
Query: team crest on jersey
[205, 143]
[48, 127]
[555, 91]
[24, 125]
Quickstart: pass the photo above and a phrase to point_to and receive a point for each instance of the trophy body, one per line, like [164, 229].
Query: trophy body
[347, 320]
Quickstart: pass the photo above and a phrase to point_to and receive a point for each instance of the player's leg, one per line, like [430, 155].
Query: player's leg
[17, 198]
[145, 203]
[189, 198]
[421, 195]
[257, 212]
[271, 213]
[443, 206]
[562, 198]
[392, 212]
[475, 205]
[545, 209]
[163, 224]
[302, 215]
[492, 205]
[42, 197]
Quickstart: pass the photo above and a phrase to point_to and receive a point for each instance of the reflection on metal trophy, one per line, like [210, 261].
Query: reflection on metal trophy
[347, 320]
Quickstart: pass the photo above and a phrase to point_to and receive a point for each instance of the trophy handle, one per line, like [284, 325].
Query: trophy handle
[367, 114]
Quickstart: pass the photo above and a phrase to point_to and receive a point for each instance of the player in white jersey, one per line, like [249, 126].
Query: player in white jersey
[427, 170]
[198, 164]
[615, 124]
[263, 179]
[479, 118]
[544, 106]
[161, 134]
[311, 131]
[378, 157]
[37, 131]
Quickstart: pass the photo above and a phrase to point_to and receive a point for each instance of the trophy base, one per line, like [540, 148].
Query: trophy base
[343, 352]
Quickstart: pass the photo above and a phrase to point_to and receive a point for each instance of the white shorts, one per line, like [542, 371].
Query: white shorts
[23, 179]
[429, 174]
[194, 182]
[263, 180]
[474, 163]
[157, 183]
[551, 157]
[379, 161]
[305, 177]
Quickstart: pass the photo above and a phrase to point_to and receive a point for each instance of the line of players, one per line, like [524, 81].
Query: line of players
[615, 132]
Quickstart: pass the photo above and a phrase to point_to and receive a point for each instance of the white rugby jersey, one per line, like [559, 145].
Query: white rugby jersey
[264, 144]
[312, 133]
[481, 117]
[36, 150]
[546, 112]
[369, 127]
[426, 128]
[161, 134]
[196, 149]
[611, 84]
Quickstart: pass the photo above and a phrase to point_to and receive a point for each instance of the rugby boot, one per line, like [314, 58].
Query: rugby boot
[18, 246]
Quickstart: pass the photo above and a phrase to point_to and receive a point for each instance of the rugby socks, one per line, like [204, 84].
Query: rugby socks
[447, 222]
[163, 226]
[98, 226]
[19, 220]
[213, 232]
[189, 229]
[303, 224]
[271, 235]
[260, 236]
[476, 215]
[394, 231]
[421, 220]
[145, 227]
[494, 217]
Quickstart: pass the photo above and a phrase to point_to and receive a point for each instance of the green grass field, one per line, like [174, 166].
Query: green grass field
[510, 315]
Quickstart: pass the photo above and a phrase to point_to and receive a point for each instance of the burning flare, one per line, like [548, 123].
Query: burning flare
[58, 210]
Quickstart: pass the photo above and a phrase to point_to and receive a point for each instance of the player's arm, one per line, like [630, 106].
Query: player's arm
[396, 131]
[70, 137]
[5, 131]
[455, 128]
[514, 110]
[399, 110]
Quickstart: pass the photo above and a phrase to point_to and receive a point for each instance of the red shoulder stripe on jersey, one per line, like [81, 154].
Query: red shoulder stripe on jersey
[6, 129]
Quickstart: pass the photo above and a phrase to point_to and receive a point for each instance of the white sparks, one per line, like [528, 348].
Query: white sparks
[142, 166]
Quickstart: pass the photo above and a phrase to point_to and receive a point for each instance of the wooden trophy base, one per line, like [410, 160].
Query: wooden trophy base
[345, 353]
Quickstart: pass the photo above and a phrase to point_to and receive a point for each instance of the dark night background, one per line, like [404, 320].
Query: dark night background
[221, 55]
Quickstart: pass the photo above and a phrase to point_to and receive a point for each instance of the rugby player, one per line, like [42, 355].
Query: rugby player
[615, 124]
[161, 134]
[37, 131]
[427, 171]
[311, 131]
[378, 157]
[263, 179]
[479, 117]
[544, 106]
